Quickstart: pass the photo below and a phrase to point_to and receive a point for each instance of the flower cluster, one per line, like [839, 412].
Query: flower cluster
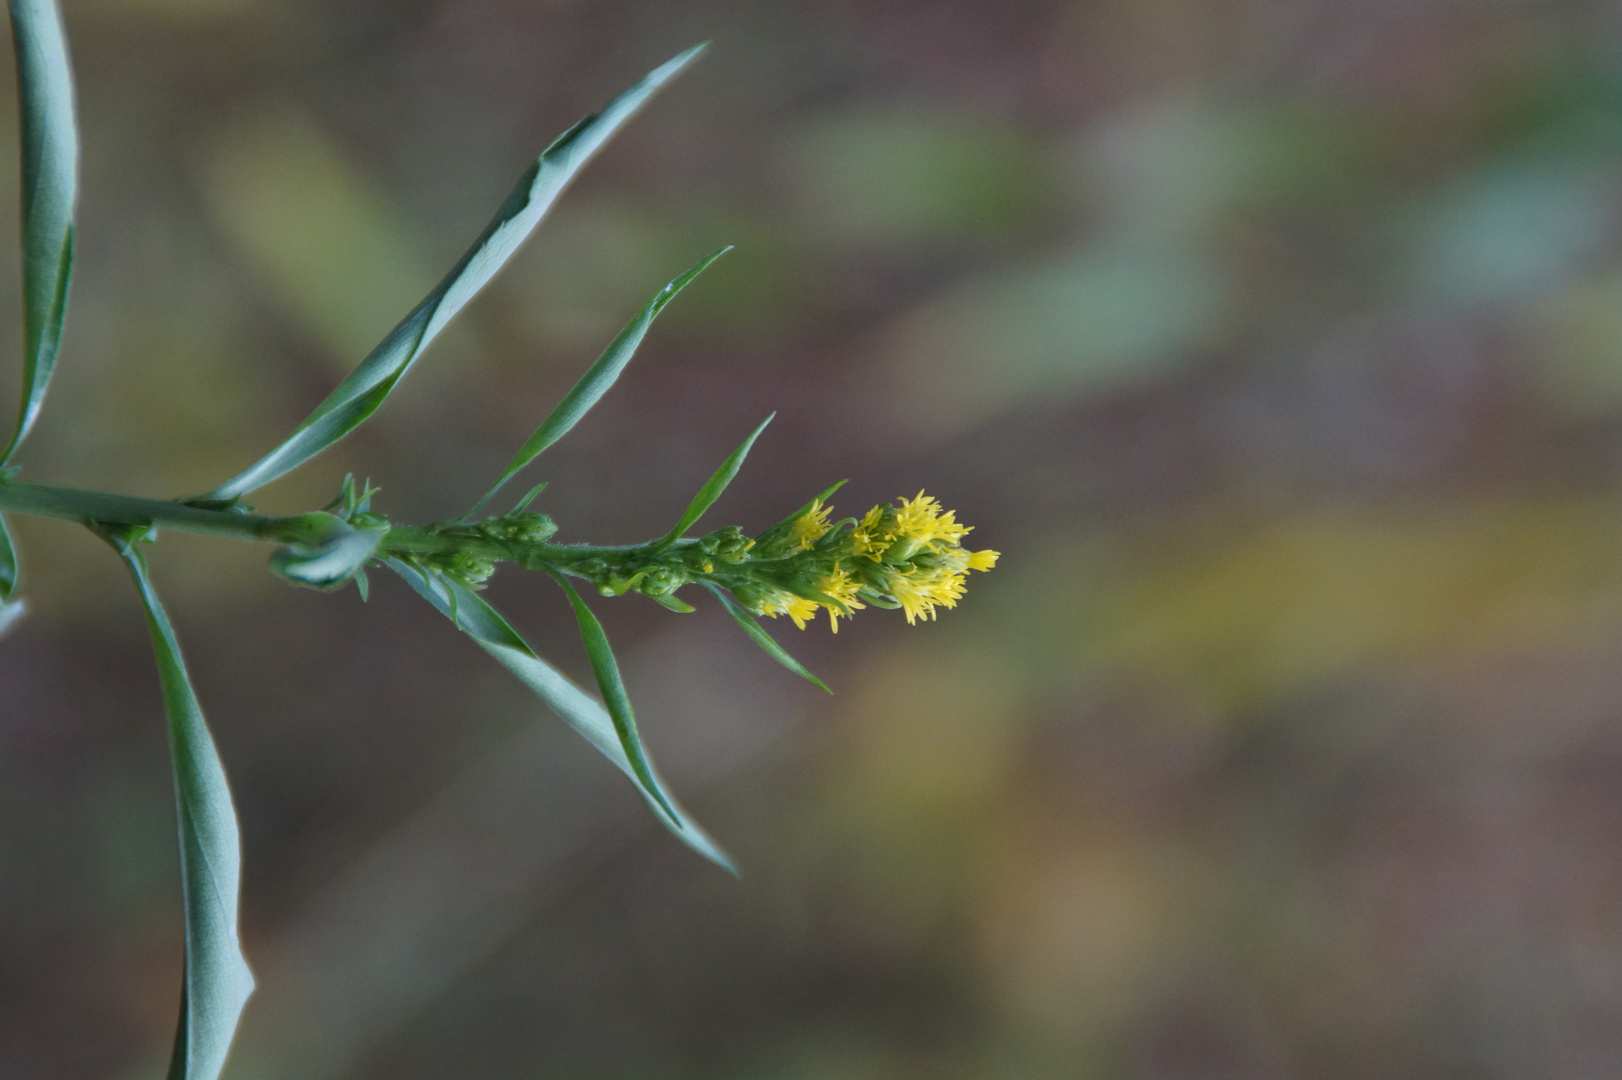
[908, 556]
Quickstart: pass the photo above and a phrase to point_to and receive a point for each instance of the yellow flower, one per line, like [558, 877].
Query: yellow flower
[935, 575]
[870, 538]
[983, 560]
[840, 585]
[921, 563]
[920, 591]
[783, 602]
[921, 520]
[897, 535]
[810, 526]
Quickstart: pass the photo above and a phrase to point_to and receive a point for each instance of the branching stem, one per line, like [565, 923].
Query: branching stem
[86, 507]
[106, 509]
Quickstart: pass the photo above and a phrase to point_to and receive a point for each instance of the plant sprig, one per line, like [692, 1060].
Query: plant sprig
[906, 557]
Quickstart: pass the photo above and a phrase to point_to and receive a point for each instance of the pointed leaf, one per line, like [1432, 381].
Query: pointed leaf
[476, 618]
[529, 496]
[370, 384]
[758, 634]
[8, 563]
[217, 979]
[713, 487]
[597, 379]
[783, 528]
[50, 162]
[607, 670]
[10, 613]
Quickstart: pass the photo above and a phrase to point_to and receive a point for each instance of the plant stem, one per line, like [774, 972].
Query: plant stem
[104, 508]
[430, 540]
[77, 504]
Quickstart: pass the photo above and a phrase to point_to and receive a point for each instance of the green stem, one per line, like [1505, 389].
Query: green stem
[85, 507]
[106, 509]
[432, 540]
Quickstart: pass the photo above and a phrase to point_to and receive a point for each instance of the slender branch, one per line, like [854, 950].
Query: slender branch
[468, 539]
[104, 509]
[77, 504]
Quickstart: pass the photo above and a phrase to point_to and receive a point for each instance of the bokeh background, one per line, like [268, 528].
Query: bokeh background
[1277, 344]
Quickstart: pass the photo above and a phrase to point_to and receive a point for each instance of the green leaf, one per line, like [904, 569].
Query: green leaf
[759, 635]
[10, 613]
[8, 563]
[217, 979]
[370, 384]
[597, 379]
[783, 528]
[607, 670]
[712, 489]
[336, 552]
[476, 618]
[50, 160]
[529, 496]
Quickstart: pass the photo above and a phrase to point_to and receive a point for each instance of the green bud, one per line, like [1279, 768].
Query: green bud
[661, 581]
[525, 528]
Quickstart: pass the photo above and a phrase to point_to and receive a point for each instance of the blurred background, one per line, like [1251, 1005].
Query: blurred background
[1276, 344]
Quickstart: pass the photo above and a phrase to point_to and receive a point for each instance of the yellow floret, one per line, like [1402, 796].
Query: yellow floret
[870, 538]
[920, 590]
[921, 519]
[783, 602]
[983, 560]
[842, 587]
[810, 526]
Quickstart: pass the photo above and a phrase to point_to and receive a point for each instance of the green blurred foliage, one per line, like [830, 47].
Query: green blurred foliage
[898, 178]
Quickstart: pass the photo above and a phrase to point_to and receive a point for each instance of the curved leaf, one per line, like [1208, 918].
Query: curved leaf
[598, 378]
[217, 979]
[369, 385]
[607, 670]
[10, 613]
[759, 636]
[50, 159]
[713, 487]
[476, 618]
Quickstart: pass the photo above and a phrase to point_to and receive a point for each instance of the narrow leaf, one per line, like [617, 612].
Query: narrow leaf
[529, 496]
[10, 613]
[597, 379]
[783, 528]
[713, 487]
[370, 384]
[476, 618]
[8, 563]
[50, 160]
[759, 635]
[607, 670]
[217, 979]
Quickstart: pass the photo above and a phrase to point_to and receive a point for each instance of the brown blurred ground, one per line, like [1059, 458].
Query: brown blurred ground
[1277, 345]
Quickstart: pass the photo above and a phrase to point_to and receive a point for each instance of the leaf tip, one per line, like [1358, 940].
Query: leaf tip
[691, 53]
[10, 613]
